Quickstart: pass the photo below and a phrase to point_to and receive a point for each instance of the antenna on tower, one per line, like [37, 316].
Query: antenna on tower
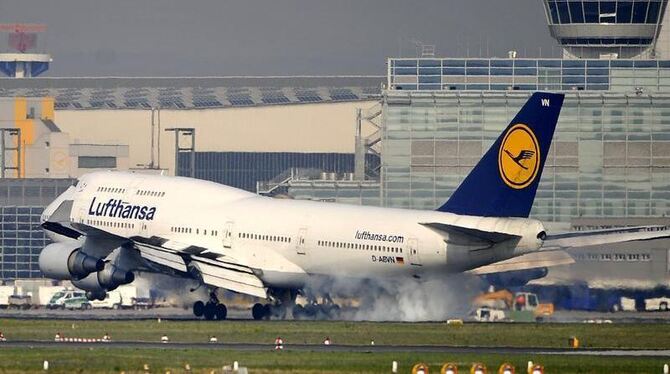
[423, 49]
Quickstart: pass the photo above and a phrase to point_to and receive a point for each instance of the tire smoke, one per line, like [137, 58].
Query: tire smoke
[408, 300]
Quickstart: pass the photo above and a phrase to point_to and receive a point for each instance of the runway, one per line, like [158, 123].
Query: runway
[341, 348]
[235, 314]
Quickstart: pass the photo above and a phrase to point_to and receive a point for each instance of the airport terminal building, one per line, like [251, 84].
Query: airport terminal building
[611, 152]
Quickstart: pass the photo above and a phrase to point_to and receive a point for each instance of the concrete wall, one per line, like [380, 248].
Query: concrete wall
[27, 114]
[328, 127]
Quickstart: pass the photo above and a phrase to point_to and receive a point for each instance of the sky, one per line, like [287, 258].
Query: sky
[272, 37]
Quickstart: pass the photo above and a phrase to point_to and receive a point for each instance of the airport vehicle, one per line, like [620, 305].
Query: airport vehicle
[520, 306]
[112, 300]
[113, 223]
[124, 297]
[486, 314]
[46, 293]
[142, 303]
[5, 293]
[69, 299]
[657, 303]
[20, 301]
[626, 305]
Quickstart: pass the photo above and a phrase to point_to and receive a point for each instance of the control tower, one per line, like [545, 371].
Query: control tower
[19, 58]
[608, 29]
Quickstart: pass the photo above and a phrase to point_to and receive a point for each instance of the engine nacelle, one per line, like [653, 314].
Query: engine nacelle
[66, 261]
[90, 295]
[108, 279]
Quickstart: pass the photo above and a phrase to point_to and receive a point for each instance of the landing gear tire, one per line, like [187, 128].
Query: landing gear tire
[317, 311]
[310, 311]
[267, 311]
[334, 312]
[198, 308]
[210, 311]
[298, 312]
[220, 312]
[278, 312]
[258, 311]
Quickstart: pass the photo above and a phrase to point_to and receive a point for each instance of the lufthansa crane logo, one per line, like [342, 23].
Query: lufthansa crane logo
[519, 157]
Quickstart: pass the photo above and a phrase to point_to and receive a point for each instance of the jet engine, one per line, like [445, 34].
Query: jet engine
[105, 280]
[65, 261]
[98, 295]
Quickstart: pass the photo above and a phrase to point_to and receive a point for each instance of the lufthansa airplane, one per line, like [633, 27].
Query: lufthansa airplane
[112, 224]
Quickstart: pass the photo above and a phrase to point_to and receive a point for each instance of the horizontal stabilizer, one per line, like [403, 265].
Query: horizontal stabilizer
[465, 235]
[526, 262]
[606, 236]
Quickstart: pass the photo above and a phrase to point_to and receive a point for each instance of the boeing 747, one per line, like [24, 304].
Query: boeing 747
[110, 225]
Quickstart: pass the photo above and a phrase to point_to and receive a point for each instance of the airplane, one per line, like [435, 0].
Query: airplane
[110, 225]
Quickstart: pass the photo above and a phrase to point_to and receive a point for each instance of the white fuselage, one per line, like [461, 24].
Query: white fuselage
[288, 240]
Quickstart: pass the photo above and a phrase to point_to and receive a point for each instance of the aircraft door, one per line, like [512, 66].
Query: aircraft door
[300, 245]
[413, 252]
[228, 235]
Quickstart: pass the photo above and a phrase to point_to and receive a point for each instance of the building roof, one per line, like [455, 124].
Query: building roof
[193, 92]
[527, 74]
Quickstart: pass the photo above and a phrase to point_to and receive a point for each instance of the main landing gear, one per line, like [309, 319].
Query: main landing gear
[285, 307]
[268, 311]
[212, 309]
[284, 300]
[327, 309]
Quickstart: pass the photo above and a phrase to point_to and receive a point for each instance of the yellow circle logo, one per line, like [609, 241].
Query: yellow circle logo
[519, 157]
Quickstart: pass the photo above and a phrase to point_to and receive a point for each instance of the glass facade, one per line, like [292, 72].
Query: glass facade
[21, 237]
[610, 156]
[22, 241]
[473, 74]
[598, 12]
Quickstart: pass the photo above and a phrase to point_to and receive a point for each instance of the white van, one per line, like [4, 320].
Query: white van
[658, 303]
[5, 293]
[112, 301]
[46, 293]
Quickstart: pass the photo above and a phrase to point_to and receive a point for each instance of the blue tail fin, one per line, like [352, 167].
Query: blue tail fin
[504, 182]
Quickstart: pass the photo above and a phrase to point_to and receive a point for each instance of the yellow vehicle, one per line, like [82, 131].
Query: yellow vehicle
[521, 306]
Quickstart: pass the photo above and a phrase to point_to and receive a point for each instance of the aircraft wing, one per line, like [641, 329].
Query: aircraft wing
[214, 269]
[578, 239]
[528, 261]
